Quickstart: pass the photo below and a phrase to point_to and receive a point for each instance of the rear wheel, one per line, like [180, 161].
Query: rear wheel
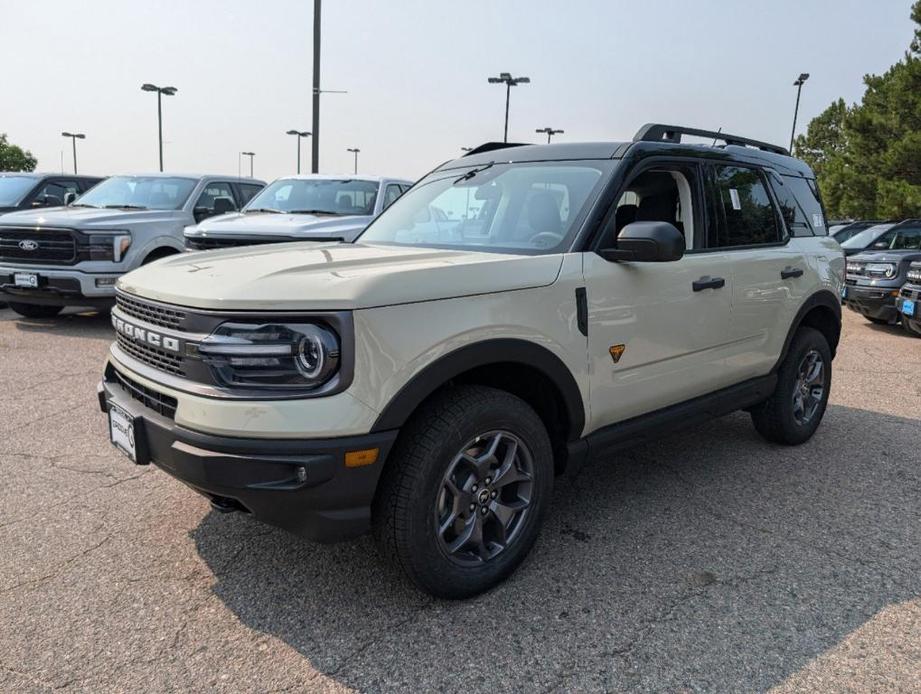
[796, 407]
[465, 491]
[35, 310]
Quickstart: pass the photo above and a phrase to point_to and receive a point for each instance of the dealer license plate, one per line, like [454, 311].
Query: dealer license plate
[908, 307]
[25, 279]
[121, 431]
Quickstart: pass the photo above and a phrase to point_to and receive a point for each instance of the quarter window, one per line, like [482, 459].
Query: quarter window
[790, 209]
[391, 194]
[748, 215]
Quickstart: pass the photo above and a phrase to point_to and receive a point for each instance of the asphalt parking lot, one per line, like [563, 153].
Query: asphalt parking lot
[709, 560]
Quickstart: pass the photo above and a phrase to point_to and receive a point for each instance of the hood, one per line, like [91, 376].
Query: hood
[288, 225]
[885, 256]
[89, 217]
[332, 276]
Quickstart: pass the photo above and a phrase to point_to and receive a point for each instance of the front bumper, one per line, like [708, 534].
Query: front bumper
[913, 293]
[872, 302]
[58, 287]
[303, 486]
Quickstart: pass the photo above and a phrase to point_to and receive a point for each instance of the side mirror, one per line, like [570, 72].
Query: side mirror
[69, 198]
[647, 242]
[47, 201]
[201, 213]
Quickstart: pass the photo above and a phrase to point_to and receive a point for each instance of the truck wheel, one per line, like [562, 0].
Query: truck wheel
[462, 499]
[910, 328]
[35, 310]
[796, 407]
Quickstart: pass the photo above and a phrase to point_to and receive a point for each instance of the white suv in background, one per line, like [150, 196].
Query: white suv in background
[71, 256]
[521, 309]
[301, 208]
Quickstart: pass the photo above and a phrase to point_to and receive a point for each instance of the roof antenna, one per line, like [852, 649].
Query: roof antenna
[716, 138]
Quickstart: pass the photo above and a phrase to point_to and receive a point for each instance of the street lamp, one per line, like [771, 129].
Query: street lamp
[73, 138]
[250, 155]
[466, 149]
[300, 134]
[799, 87]
[169, 91]
[509, 82]
[550, 132]
[355, 151]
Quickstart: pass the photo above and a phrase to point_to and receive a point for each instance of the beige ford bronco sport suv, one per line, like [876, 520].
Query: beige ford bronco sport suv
[519, 310]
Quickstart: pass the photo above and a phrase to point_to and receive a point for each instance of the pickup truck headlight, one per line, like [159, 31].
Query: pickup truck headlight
[281, 356]
[882, 269]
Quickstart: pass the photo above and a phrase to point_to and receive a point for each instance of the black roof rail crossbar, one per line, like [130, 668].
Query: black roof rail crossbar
[491, 146]
[658, 132]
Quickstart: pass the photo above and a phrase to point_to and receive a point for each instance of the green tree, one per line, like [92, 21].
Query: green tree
[13, 158]
[868, 156]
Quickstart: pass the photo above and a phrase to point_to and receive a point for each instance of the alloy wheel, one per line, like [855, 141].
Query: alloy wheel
[809, 387]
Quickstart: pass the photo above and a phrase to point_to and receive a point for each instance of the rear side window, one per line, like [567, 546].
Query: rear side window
[807, 194]
[790, 209]
[744, 205]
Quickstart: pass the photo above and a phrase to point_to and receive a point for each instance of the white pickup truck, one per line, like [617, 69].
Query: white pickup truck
[71, 256]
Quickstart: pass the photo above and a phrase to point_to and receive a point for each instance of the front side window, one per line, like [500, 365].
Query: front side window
[139, 192]
[745, 206]
[247, 192]
[216, 198]
[511, 208]
[864, 238]
[51, 194]
[901, 239]
[391, 194]
[316, 196]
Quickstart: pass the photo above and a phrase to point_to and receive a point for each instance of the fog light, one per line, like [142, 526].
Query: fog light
[105, 281]
[361, 458]
[302, 474]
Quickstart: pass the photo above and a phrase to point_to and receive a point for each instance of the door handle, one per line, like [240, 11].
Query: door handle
[789, 272]
[707, 282]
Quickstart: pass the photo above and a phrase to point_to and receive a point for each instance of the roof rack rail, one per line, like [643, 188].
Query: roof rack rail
[491, 146]
[658, 132]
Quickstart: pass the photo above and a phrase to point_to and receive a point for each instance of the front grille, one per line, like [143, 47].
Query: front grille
[158, 358]
[54, 246]
[150, 398]
[211, 243]
[155, 314]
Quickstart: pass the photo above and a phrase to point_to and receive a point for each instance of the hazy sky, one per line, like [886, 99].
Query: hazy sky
[416, 74]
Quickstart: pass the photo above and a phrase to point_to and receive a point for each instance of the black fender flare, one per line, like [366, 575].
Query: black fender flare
[824, 298]
[497, 351]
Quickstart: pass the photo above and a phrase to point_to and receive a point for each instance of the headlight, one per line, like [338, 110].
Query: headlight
[914, 275]
[854, 268]
[289, 356]
[884, 269]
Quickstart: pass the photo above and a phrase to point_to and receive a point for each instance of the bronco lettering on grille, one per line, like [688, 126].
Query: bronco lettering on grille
[140, 334]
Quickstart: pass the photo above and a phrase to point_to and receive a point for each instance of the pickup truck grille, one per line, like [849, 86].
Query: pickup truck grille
[211, 243]
[49, 246]
[155, 314]
[152, 356]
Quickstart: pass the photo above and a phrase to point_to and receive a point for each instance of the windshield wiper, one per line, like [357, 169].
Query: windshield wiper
[124, 207]
[82, 204]
[263, 209]
[312, 212]
[473, 172]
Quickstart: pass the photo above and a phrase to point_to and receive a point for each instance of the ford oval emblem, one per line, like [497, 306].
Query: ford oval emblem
[28, 245]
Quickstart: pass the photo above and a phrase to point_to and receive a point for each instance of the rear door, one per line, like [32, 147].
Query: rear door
[767, 270]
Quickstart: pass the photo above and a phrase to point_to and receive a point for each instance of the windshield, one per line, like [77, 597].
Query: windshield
[316, 196]
[139, 192]
[864, 238]
[510, 208]
[14, 188]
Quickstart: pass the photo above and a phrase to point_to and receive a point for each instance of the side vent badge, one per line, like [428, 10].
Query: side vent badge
[617, 352]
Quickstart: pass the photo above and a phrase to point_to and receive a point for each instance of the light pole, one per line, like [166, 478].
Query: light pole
[355, 151]
[509, 82]
[169, 91]
[73, 138]
[250, 155]
[550, 132]
[300, 134]
[466, 149]
[799, 87]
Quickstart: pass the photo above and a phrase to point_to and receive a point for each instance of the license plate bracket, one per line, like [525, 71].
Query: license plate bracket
[126, 433]
[27, 280]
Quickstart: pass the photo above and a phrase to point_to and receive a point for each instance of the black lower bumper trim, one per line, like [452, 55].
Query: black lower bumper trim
[300, 485]
[53, 291]
[877, 303]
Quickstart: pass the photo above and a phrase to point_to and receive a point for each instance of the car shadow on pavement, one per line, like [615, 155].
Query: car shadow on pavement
[71, 323]
[706, 560]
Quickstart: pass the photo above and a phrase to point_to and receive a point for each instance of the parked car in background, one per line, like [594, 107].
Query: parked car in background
[864, 239]
[842, 232]
[71, 256]
[429, 380]
[875, 277]
[23, 190]
[301, 208]
[909, 301]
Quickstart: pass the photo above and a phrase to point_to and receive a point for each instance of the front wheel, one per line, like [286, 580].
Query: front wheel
[462, 499]
[911, 327]
[796, 407]
[35, 310]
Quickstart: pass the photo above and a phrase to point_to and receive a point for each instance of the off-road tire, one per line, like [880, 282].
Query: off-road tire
[35, 310]
[404, 511]
[906, 326]
[774, 418]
